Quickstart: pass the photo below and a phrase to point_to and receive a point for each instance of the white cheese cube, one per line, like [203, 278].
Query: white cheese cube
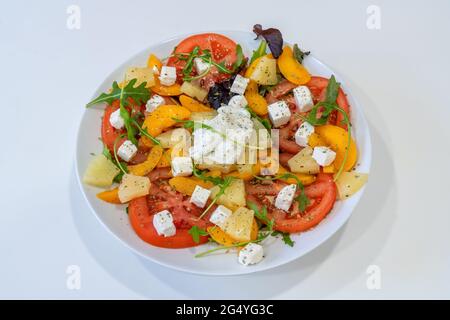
[303, 133]
[220, 215]
[279, 113]
[127, 150]
[324, 156]
[303, 98]
[252, 253]
[239, 84]
[163, 223]
[201, 66]
[285, 197]
[238, 101]
[168, 76]
[154, 102]
[182, 166]
[116, 120]
[200, 196]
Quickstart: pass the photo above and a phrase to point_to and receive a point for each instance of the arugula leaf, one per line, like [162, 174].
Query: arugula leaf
[226, 182]
[285, 236]
[239, 58]
[145, 133]
[201, 174]
[196, 233]
[299, 55]
[139, 94]
[261, 214]
[261, 51]
[332, 90]
[302, 198]
[326, 108]
[266, 123]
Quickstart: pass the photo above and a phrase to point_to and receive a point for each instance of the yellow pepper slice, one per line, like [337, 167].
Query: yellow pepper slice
[148, 165]
[193, 105]
[161, 119]
[291, 69]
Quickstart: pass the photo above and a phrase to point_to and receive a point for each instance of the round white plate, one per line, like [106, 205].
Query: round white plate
[115, 219]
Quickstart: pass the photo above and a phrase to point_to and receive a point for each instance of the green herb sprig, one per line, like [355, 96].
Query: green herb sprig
[139, 94]
[206, 56]
[261, 51]
[196, 233]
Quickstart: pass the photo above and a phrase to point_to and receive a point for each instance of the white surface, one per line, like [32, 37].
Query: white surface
[116, 220]
[401, 224]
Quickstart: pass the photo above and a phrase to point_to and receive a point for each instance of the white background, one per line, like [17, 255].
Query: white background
[399, 73]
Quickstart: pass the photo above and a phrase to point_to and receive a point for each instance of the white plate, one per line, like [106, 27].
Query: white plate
[115, 219]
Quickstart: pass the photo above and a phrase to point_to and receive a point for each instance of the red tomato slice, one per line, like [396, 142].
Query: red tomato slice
[318, 86]
[109, 133]
[222, 49]
[322, 195]
[141, 211]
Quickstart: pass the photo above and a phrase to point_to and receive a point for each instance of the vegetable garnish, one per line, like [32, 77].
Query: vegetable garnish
[139, 94]
[273, 37]
[122, 168]
[285, 236]
[206, 56]
[326, 108]
[266, 123]
[302, 198]
[108, 156]
[201, 174]
[261, 51]
[224, 184]
[145, 133]
[196, 233]
[299, 55]
[262, 234]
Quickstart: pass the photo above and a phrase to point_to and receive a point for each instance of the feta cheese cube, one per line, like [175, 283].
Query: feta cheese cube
[279, 113]
[303, 98]
[252, 253]
[116, 120]
[182, 166]
[303, 133]
[200, 196]
[154, 102]
[163, 223]
[239, 85]
[168, 76]
[220, 215]
[201, 66]
[127, 150]
[324, 156]
[285, 197]
[238, 101]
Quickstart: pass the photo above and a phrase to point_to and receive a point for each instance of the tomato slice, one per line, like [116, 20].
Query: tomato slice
[222, 49]
[318, 87]
[185, 215]
[322, 195]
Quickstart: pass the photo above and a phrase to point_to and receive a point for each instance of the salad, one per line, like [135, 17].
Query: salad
[208, 145]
